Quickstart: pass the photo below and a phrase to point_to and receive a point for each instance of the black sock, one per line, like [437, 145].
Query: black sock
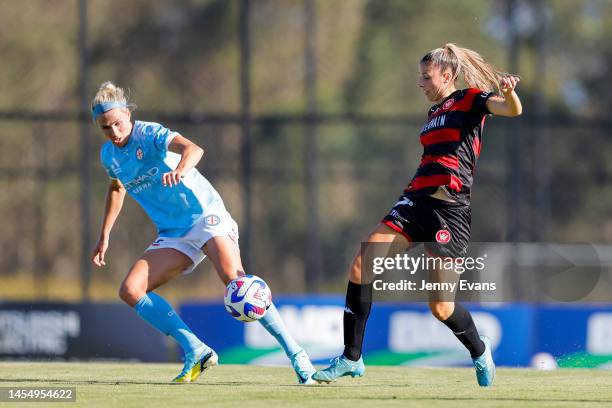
[356, 312]
[462, 325]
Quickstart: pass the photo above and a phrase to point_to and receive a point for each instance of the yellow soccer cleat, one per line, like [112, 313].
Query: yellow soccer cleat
[196, 363]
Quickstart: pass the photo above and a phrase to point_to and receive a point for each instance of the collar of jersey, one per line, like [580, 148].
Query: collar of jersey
[445, 99]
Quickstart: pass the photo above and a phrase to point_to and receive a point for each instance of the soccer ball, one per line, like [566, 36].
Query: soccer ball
[247, 298]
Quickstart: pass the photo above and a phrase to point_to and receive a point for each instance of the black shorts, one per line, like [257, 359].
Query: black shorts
[444, 227]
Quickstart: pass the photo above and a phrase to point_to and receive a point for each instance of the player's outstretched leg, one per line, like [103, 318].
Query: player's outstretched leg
[356, 313]
[357, 307]
[223, 251]
[273, 323]
[158, 313]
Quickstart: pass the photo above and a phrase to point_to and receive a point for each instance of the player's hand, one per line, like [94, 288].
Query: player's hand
[508, 83]
[172, 178]
[99, 252]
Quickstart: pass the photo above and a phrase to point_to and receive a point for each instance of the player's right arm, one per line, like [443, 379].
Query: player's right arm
[112, 208]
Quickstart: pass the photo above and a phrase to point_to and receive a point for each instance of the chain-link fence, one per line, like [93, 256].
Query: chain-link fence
[309, 116]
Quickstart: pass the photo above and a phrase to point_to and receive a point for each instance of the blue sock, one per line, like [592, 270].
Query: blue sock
[273, 323]
[159, 314]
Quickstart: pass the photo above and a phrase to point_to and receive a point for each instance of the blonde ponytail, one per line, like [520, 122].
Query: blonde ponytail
[476, 72]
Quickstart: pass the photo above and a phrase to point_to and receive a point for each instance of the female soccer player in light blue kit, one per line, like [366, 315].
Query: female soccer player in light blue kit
[156, 166]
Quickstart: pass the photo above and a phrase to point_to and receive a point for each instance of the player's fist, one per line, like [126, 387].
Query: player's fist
[99, 251]
[172, 178]
[507, 84]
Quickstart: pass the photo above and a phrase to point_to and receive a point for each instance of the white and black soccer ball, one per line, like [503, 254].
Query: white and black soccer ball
[247, 298]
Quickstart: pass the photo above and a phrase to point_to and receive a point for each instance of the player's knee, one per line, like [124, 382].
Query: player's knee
[441, 310]
[355, 273]
[130, 293]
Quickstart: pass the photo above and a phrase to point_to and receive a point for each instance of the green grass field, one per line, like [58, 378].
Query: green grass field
[146, 385]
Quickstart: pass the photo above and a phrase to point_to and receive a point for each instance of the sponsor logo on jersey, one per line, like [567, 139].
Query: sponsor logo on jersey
[443, 236]
[436, 122]
[212, 220]
[143, 181]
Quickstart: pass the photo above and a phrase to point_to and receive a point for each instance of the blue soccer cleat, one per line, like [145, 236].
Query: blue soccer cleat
[195, 364]
[303, 368]
[340, 367]
[485, 367]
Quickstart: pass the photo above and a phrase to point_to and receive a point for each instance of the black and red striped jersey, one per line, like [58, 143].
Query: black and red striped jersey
[451, 141]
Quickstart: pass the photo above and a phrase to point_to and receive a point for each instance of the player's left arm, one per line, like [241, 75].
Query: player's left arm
[190, 153]
[509, 103]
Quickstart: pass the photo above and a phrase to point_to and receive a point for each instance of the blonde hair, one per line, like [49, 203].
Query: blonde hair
[109, 92]
[476, 72]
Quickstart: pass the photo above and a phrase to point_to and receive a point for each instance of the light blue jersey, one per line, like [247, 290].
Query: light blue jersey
[140, 164]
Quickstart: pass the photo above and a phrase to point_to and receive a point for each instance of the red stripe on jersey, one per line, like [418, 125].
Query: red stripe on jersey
[462, 105]
[452, 162]
[443, 135]
[437, 180]
[477, 146]
[465, 104]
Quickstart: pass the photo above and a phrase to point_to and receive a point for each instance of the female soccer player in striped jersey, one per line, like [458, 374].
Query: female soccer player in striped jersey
[156, 166]
[435, 206]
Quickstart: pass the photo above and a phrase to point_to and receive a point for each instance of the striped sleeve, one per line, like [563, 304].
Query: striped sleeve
[479, 103]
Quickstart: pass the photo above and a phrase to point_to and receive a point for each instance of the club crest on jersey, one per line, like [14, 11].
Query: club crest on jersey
[139, 154]
[448, 104]
[443, 236]
[212, 220]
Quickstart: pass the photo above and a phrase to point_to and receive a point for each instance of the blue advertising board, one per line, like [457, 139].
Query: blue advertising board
[397, 333]
[577, 336]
